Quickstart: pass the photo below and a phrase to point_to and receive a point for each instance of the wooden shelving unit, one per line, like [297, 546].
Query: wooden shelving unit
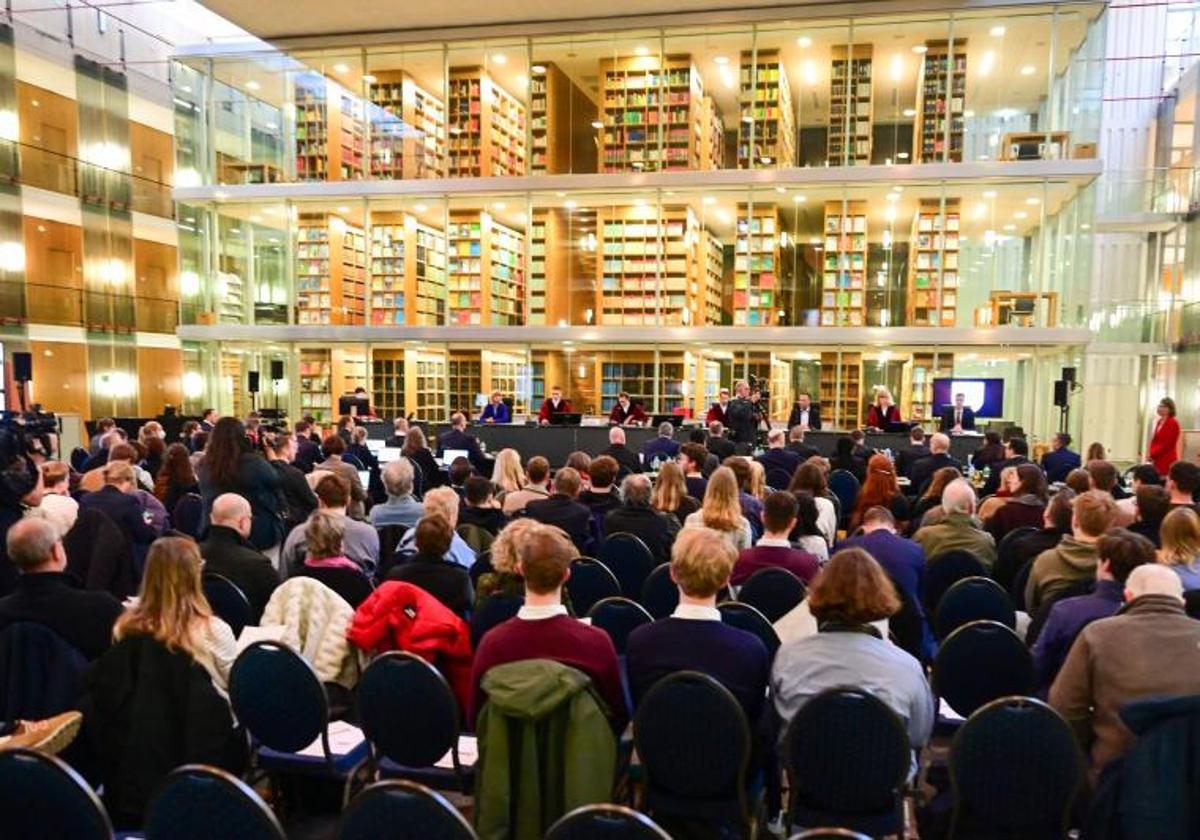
[486, 127]
[505, 373]
[916, 397]
[933, 264]
[714, 279]
[485, 272]
[316, 384]
[387, 383]
[331, 259]
[408, 272]
[844, 265]
[841, 390]
[767, 113]
[850, 114]
[759, 268]
[465, 380]
[330, 135]
[429, 385]
[635, 374]
[560, 123]
[712, 139]
[562, 271]
[408, 129]
[942, 88]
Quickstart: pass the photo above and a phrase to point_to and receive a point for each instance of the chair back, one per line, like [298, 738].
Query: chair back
[605, 822]
[278, 697]
[778, 478]
[829, 834]
[629, 559]
[1007, 559]
[660, 595]
[945, 570]
[496, 609]
[197, 802]
[847, 756]
[389, 539]
[907, 628]
[481, 566]
[227, 601]
[980, 662]
[188, 516]
[618, 617]
[743, 616]
[590, 582]
[41, 674]
[694, 744]
[79, 457]
[402, 810]
[1016, 770]
[476, 536]
[773, 592]
[429, 724]
[845, 486]
[1191, 602]
[974, 599]
[41, 797]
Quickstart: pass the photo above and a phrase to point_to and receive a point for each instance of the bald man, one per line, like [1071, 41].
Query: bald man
[227, 552]
[626, 458]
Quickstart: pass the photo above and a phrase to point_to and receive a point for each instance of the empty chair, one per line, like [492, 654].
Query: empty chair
[660, 595]
[590, 582]
[618, 617]
[980, 662]
[1016, 770]
[401, 810]
[605, 822]
[198, 802]
[496, 609]
[41, 797]
[79, 457]
[974, 599]
[745, 617]
[188, 516]
[227, 601]
[1008, 561]
[627, 557]
[773, 592]
[845, 486]
[847, 756]
[945, 570]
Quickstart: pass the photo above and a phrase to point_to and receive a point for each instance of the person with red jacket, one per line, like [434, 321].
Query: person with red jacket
[716, 412]
[1164, 444]
[626, 413]
[883, 412]
[554, 405]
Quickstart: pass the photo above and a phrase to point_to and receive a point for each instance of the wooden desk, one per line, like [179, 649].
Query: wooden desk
[1045, 308]
[1059, 144]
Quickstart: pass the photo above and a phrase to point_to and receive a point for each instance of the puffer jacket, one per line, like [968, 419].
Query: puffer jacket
[401, 616]
[316, 619]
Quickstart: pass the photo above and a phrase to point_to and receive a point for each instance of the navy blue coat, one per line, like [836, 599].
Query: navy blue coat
[1060, 462]
[664, 448]
[454, 439]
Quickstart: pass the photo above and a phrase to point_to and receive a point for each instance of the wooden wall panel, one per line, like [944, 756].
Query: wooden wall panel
[153, 155]
[160, 379]
[156, 271]
[60, 376]
[49, 132]
[53, 271]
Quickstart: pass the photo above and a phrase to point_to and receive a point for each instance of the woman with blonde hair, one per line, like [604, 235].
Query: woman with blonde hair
[758, 480]
[171, 608]
[416, 449]
[507, 475]
[503, 578]
[722, 509]
[1180, 535]
[670, 493]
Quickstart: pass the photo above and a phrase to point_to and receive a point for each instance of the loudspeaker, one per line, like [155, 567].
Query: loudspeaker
[23, 367]
[276, 370]
[1068, 374]
[1061, 389]
[252, 384]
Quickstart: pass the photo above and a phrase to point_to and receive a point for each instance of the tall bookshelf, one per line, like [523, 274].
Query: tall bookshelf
[942, 87]
[841, 389]
[316, 384]
[330, 135]
[505, 373]
[560, 123]
[485, 273]
[635, 374]
[844, 265]
[408, 272]
[714, 279]
[465, 380]
[331, 259]
[408, 128]
[486, 126]
[916, 398]
[712, 139]
[759, 268]
[767, 113]
[850, 113]
[387, 383]
[933, 264]
[429, 385]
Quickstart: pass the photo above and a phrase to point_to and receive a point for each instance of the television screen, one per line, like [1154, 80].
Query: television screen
[984, 396]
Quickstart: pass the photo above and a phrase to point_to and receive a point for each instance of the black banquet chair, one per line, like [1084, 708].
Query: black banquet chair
[945, 570]
[774, 592]
[188, 516]
[845, 486]
[974, 599]
[401, 810]
[605, 822]
[829, 834]
[496, 609]
[197, 802]
[228, 601]
[745, 617]
[42, 797]
[590, 582]
[627, 557]
[660, 595]
[618, 617]
[980, 662]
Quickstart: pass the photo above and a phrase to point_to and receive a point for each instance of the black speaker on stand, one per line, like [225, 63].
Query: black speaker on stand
[276, 377]
[23, 375]
[252, 387]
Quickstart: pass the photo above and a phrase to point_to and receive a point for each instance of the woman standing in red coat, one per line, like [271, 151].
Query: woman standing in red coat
[1164, 444]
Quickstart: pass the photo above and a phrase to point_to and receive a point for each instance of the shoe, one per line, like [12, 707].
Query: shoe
[51, 736]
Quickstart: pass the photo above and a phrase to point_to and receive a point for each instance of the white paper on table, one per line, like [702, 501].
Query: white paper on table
[343, 738]
[468, 754]
[253, 633]
[946, 713]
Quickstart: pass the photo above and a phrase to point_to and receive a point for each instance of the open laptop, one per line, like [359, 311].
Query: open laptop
[448, 455]
[565, 419]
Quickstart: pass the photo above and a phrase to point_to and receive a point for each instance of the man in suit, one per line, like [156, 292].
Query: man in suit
[664, 447]
[716, 412]
[552, 406]
[627, 413]
[1060, 460]
[308, 454]
[805, 413]
[1016, 452]
[915, 451]
[742, 417]
[457, 438]
[563, 511]
[796, 444]
[717, 443]
[777, 458]
[626, 459]
[938, 457]
[959, 417]
[208, 420]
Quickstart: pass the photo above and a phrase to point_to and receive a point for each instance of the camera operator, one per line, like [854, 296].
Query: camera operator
[25, 441]
[742, 417]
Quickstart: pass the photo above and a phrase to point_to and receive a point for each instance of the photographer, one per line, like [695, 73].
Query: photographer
[742, 417]
[25, 440]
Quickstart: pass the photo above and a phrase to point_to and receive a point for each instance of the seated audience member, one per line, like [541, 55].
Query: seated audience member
[711, 461]
[1183, 480]
[227, 552]
[118, 501]
[722, 510]
[458, 438]
[46, 595]
[1016, 452]
[543, 630]
[851, 593]
[444, 501]
[1103, 476]
[902, 559]
[1026, 506]
[334, 448]
[176, 478]
[1008, 485]
[845, 459]
[777, 457]
[1074, 558]
[503, 578]
[958, 529]
[1180, 550]
[121, 453]
[360, 540]
[308, 451]
[917, 449]
[744, 471]
[110, 439]
[326, 560]
[636, 516]
[691, 461]
[58, 506]
[927, 510]
[796, 444]
[664, 447]
[601, 495]
[1120, 552]
[507, 474]
[671, 494]
[939, 457]
[1142, 474]
[457, 473]
[694, 638]
[401, 507]
[810, 478]
[416, 450]
[773, 549]
[581, 462]
[716, 443]
[861, 451]
[1056, 522]
[297, 498]
[429, 569]
[627, 460]
[103, 426]
[1095, 452]
[807, 535]
[479, 506]
[1060, 460]
[359, 451]
[1151, 649]
[990, 453]
[563, 510]
[880, 490]
[537, 473]
[1153, 503]
[399, 433]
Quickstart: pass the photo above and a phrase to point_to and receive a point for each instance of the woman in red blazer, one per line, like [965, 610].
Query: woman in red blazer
[883, 411]
[1164, 444]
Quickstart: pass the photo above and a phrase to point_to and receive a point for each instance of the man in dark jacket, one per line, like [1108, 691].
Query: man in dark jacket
[20, 487]
[627, 460]
[635, 516]
[563, 511]
[477, 507]
[602, 496]
[939, 456]
[917, 449]
[796, 444]
[1060, 460]
[117, 501]
[458, 439]
[308, 452]
[45, 593]
[742, 417]
[228, 553]
[1016, 452]
[298, 498]
[664, 447]
[777, 458]
[717, 443]
[429, 569]
[805, 413]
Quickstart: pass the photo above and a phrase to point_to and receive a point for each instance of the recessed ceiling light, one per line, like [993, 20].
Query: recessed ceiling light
[597, 124]
[920, 49]
[799, 199]
[642, 50]
[1010, 227]
[1028, 70]
[721, 59]
[420, 208]
[804, 42]
[369, 78]
[538, 68]
[910, 112]
[1020, 214]
[997, 31]
[500, 58]
[781, 189]
[989, 193]
[252, 85]
[341, 68]
[1033, 200]
[561, 194]
[343, 209]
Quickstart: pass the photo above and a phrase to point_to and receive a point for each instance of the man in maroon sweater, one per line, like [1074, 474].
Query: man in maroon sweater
[773, 548]
[543, 630]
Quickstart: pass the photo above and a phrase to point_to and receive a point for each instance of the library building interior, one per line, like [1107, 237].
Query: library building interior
[853, 349]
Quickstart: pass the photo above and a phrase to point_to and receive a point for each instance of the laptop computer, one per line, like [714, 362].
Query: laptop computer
[565, 419]
[448, 455]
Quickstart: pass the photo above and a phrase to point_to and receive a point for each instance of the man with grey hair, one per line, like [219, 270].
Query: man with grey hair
[922, 469]
[458, 439]
[742, 417]
[796, 444]
[777, 460]
[399, 433]
[636, 516]
[401, 507]
[958, 529]
[46, 595]
[661, 448]
[626, 458]
[1151, 648]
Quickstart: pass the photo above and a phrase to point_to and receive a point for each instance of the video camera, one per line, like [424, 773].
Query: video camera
[763, 388]
[26, 433]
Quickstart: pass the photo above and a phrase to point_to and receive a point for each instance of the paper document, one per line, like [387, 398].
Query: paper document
[343, 738]
[468, 754]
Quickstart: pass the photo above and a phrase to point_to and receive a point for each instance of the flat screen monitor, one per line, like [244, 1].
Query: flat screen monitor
[674, 419]
[983, 396]
[564, 419]
[357, 406]
[448, 455]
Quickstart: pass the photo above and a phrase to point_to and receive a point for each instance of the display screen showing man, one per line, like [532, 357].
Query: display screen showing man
[958, 418]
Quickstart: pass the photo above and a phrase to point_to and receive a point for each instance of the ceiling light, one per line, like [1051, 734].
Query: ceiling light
[799, 199]
[252, 85]
[1028, 70]
[341, 68]
[538, 68]
[804, 42]
[642, 50]
[910, 112]
[1020, 214]
[920, 49]
[420, 208]
[781, 189]
[597, 123]
[500, 58]
[343, 209]
[498, 205]
[369, 78]
[1033, 201]
[997, 31]
[1010, 227]
[570, 205]
[721, 59]
[989, 193]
